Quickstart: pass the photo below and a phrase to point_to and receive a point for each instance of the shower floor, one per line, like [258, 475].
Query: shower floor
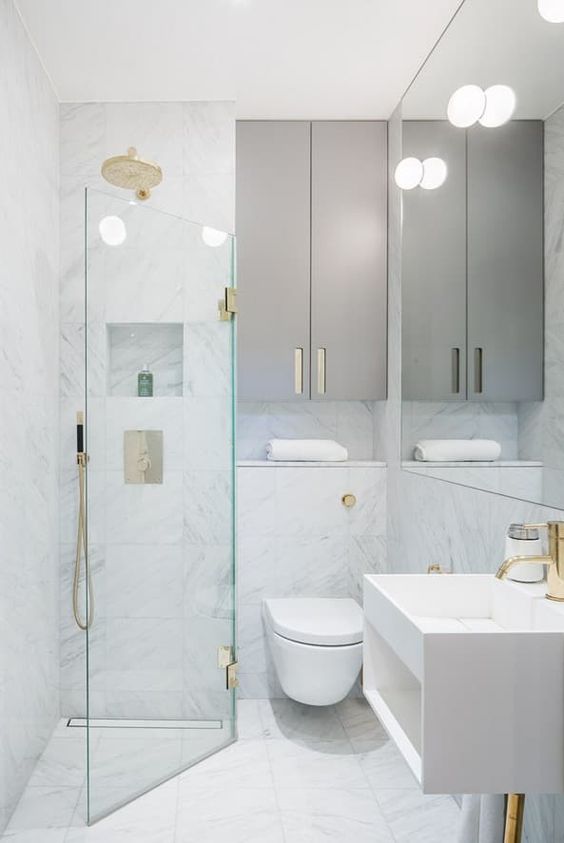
[297, 775]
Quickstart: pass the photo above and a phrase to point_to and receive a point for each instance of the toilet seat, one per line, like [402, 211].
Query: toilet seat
[329, 622]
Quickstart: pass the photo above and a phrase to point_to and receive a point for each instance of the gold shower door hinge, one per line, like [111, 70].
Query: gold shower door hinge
[226, 661]
[227, 306]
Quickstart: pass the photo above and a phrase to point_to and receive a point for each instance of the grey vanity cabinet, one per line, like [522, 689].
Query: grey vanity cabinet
[434, 269]
[311, 260]
[472, 272]
[505, 262]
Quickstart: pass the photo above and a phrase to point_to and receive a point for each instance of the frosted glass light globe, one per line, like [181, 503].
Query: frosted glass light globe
[552, 10]
[213, 237]
[112, 231]
[434, 173]
[500, 105]
[466, 106]
[408, 173]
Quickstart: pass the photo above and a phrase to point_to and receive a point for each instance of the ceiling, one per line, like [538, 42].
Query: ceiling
[276, 58]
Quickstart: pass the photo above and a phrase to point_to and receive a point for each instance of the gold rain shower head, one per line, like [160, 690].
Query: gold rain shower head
[132, 173]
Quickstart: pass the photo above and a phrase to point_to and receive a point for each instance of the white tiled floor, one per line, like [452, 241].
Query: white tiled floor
[297, 775]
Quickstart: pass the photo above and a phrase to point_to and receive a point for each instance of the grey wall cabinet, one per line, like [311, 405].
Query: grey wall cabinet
[472, 270]
[505, 262]
[311, 260]
[434, 269]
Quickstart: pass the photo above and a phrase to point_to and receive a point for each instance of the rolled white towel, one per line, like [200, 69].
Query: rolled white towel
[457, 450]
[481, 818]
[305, 450]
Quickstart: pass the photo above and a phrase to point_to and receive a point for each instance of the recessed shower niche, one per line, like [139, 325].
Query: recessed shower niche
[134, 345]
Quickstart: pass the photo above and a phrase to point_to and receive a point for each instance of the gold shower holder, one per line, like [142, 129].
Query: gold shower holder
[132, 173]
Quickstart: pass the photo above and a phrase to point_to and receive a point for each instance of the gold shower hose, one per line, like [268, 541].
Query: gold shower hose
[80, 548]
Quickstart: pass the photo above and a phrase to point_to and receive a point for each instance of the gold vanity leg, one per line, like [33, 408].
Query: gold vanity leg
[514, 817]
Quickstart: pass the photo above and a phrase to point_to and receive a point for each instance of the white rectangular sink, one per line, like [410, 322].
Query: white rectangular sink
[467, 674]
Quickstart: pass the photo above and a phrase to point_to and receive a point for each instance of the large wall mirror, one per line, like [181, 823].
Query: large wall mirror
[482, 178]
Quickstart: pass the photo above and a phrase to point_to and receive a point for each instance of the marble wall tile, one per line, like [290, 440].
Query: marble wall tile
[29, 371]
[296, 539]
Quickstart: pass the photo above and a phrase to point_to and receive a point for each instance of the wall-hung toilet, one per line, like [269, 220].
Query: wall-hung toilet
[316, 646]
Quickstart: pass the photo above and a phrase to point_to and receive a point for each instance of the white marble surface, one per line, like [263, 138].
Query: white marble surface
[297, 539]
[29, 416]
[297, 775]
[351, 423]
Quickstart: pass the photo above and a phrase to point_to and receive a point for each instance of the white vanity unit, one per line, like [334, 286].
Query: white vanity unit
[466, 673]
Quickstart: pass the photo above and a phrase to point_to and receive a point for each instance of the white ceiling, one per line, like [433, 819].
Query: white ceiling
[276, 58]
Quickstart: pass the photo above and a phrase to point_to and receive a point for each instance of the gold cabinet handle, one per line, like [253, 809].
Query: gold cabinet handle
[455, 370]
[321, 379]
[478, 370]
[298, 371]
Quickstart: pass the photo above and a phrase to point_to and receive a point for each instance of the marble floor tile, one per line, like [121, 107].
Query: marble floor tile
[321, 764]
[240, 816]
[362, 728]
[45, 808]
[34, 835]
[385, 768]
[149, 819]
[286, 719]
[413, 816]
[249, 722]
[244, 764]
[309, 816]
[63, 764]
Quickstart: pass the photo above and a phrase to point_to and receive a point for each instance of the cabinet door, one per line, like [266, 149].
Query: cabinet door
[348, 260]
[434, 269]
[273, 259]
[505, 262]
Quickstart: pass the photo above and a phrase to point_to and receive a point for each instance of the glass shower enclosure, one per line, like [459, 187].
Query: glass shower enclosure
[160, 489]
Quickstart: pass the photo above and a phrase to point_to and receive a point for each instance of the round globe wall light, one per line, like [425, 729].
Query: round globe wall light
[112, 231]
[428, 174]
[491, 108]
[552, 10]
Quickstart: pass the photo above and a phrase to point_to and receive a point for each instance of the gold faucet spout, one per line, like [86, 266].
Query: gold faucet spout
[507, 564]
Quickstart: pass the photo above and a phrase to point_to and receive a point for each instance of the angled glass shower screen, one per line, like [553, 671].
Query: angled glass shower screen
[160, 497]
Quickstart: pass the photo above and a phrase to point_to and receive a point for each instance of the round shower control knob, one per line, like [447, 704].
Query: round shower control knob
[348, 500]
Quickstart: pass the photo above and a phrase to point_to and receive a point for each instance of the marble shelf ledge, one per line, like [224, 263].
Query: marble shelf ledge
[282, 464]
[472, 464]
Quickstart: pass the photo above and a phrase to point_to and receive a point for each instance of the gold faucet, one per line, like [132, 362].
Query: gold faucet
[554, 559]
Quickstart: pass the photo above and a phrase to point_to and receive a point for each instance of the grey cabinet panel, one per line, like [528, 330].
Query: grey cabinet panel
[434, 269]
[505, 262]
[273, 258]
[348, 260]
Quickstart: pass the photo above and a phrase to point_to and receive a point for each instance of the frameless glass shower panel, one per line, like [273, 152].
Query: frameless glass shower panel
[160, 496]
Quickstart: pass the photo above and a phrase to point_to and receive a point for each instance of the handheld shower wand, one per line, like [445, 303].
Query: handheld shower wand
[81, 543]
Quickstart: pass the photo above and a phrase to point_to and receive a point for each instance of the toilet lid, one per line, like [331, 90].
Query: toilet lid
[310, 620]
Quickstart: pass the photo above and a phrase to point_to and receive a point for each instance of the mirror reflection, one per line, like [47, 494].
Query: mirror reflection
[482, 179]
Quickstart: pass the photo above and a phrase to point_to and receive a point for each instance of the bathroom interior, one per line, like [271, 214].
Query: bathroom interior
[282, 421]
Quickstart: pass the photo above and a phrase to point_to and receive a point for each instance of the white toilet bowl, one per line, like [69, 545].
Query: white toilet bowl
[316, 646]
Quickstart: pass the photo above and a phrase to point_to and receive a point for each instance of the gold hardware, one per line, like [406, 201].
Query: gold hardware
[321, 378]
[227, 306]
[348, 500]
[132, 173]
[232, 678]
[298, 371]
[434, 568]
[224, 656]
[143, 456]
[478, 370]
[455, 374]
[226, 661]
[514, 817]
[554, 559]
